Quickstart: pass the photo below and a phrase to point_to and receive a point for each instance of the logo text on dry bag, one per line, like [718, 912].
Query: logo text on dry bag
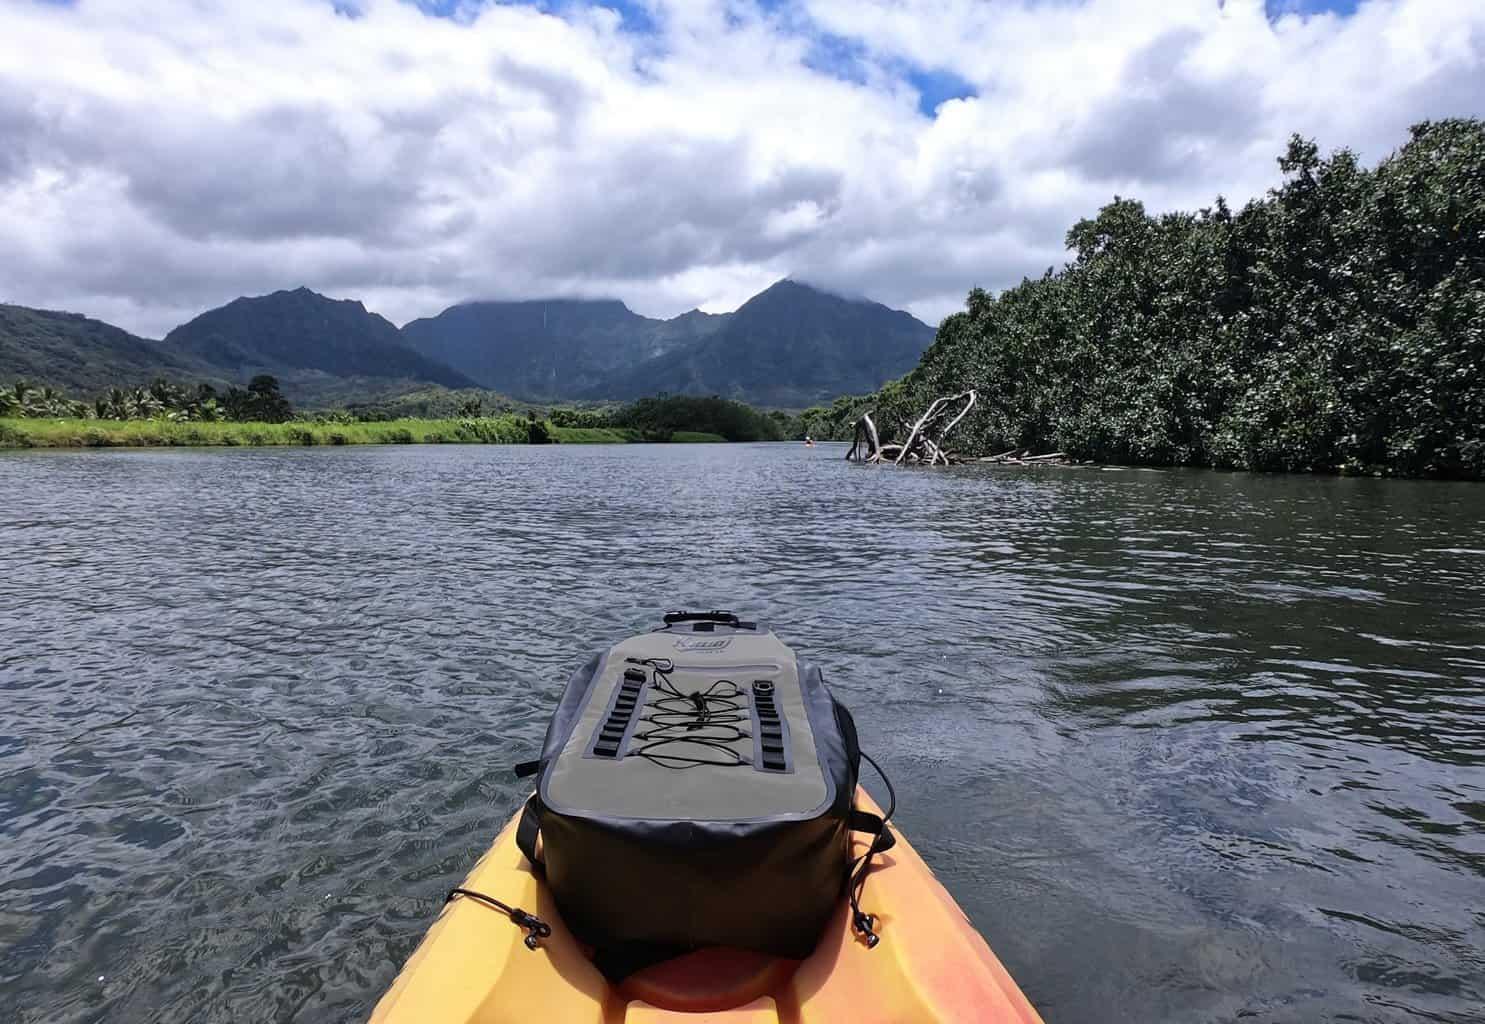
[691, 643]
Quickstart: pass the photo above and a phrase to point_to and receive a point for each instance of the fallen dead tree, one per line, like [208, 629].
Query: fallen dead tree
[925, 438]
[1023, 457]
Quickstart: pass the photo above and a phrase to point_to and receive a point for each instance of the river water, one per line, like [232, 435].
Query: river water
[1186, 746]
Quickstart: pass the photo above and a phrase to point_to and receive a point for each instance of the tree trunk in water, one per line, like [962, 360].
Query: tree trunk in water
[925, 438]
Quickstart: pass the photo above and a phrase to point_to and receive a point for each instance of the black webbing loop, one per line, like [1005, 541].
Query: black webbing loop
[526, 769]
[864, 821]
[527, 830]
[875, 824]
[536, 928]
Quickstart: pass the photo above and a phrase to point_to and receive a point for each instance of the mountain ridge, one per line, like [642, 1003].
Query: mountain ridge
[617, 353]
[269, 334]
[84, 353]
[791, 345]
[543, 348]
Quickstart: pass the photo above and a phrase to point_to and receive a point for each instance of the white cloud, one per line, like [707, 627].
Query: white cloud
[156, 159]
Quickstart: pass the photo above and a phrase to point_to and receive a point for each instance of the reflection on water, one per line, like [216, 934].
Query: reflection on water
[1186, 746]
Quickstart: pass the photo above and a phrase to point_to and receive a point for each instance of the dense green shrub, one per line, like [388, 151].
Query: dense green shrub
[1336, 324]
[658, 418]
[662, 417]
[582, 418]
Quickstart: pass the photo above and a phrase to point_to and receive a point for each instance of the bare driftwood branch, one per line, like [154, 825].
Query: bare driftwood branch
[925, 437]
[865, 443]
[962, 413]
[871, 433]
[907, 445]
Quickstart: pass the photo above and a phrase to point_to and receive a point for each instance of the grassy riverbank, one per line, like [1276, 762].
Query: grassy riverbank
[84, 433]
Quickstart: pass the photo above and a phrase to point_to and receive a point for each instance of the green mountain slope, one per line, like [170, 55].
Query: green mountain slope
[77, 354]
[318, 347]
[553, 348]
[788, 346]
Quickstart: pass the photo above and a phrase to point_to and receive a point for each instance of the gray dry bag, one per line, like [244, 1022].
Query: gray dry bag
[696, 788]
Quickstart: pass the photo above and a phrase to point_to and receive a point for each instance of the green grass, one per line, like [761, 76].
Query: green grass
[78, 433]
[695, 437]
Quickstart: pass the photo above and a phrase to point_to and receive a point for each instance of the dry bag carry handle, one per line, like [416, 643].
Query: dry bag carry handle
[726, 618]
[526, 832]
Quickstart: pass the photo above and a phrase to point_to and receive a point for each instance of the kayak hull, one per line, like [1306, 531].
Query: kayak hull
[473, 966]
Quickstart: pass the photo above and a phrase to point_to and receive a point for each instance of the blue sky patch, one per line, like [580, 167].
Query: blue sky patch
[848, 60]
[939, 86]
[1278, 8]
[837, 57]
[634, 14]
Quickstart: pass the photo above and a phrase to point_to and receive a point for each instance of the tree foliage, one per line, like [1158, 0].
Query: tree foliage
[656, 419]
[1338, 323]
[259, 402]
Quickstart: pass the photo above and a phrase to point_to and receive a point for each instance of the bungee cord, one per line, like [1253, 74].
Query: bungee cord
[711, 719]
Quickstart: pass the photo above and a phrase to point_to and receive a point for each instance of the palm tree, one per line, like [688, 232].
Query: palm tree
[141, 404]
[166, 394]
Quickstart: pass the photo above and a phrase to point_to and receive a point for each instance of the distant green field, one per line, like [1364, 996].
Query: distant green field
[79, 433]
[695, 437]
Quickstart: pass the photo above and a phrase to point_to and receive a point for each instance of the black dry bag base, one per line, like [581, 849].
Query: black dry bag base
[695, 789]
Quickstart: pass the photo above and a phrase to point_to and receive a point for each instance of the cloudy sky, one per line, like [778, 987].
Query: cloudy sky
[158, 157]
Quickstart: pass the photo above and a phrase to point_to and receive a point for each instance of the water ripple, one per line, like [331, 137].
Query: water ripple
[1186, 746]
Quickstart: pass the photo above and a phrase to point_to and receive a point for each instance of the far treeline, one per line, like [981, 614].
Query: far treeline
[438, 415]
[662, 418]
[1336, 325]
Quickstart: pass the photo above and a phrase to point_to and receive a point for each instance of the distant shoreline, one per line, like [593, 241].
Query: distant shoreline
[85, 433]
